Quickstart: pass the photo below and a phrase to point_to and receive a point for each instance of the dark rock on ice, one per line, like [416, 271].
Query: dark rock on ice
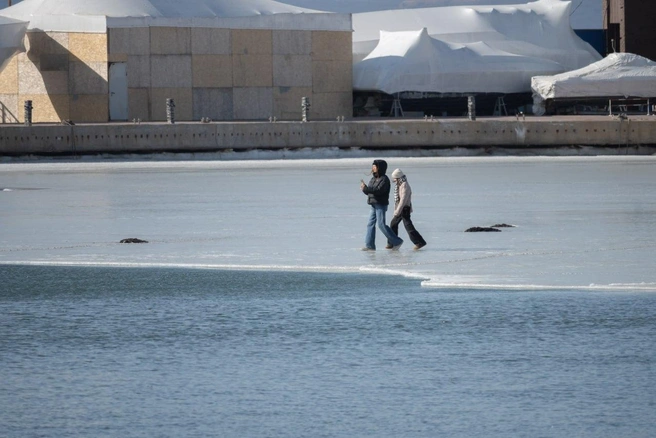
[133, 240]
[480, 229]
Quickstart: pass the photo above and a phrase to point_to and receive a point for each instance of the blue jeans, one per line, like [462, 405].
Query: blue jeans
[377, 217]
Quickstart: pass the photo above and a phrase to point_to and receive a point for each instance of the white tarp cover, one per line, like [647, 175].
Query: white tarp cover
[98, 15]
[618, 74]
[473, 46]
[11, 38]
[413, 61]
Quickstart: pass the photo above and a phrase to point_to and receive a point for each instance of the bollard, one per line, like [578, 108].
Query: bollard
[28, 113]
[170, 111]
[471, 107]
[305, 108]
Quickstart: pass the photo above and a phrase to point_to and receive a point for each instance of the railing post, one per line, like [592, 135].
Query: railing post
[28, 113]
[305, 108]
[471, 107]
[170, 111]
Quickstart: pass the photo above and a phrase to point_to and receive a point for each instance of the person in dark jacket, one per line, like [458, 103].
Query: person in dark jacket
[377, 192]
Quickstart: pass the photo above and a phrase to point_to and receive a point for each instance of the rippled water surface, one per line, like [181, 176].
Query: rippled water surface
[88, 351]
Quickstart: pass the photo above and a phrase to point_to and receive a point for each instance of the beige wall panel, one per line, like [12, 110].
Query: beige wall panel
[52, 108]
[206, 41]
[33, 81]
[88, 47]
[215, 103]
[332, 76]
[170, 40]
[331, 105]
[182, 99]
[292, 42]
[333, 46]
[252, 42]
[129, 41]
[252, 103]
[287, 102]
[89, 109]
[252, 70]
[88, 78]
[139, 104]
[212, 71]
[51, 43]
[138, 70]
[9, 108]
[9, 77]
[292, 71]
[170, 71]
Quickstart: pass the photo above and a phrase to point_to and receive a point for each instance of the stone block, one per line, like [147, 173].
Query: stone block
[287, 102]
[138, 70]
[49, 43]
[252, 70]
[254, 103]
[331, 105]
[183, 103]
[170, 41]
[9, 77]
[129, 41]
[292, 71]
[9, 108]
[88, 78]
[89, 108]
[47, 108]
[332, 46]
[208, 41]
[292, 42]
[88, 47]
[215, 103]
[33, 81]
[170, 71]
[212, 71]
[139, 104]
[332, 76]
[252, 42]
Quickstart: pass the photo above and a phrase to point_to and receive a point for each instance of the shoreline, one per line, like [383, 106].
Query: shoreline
[509, 135]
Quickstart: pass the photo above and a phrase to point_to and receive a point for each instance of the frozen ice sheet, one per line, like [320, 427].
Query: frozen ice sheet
[579, 222]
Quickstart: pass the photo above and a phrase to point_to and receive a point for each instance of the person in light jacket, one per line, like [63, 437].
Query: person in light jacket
[402, 210]
[378, 191]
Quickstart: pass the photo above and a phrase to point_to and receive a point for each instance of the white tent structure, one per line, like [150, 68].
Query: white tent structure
[11, 38]
[413, 61]
[99, 15]
[493, 49]
[617, 75]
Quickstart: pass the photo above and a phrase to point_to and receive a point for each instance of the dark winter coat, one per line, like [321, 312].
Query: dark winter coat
[378, 189]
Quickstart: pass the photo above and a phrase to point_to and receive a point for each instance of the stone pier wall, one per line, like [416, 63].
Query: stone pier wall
[508, 132]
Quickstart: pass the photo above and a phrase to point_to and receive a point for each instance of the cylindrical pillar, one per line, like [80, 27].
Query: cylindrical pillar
[305, 108]
[170, 111]
[28, 113]
[471, 107]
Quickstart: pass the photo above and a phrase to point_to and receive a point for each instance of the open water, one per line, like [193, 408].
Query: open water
[252, 312]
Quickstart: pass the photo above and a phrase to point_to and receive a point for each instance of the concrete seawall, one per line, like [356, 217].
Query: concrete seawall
[633, 135]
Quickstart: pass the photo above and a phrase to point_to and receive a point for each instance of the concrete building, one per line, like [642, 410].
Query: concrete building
[220, 59]
[629, 27]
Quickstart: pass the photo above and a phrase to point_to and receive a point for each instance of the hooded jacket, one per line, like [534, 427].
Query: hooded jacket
[405, 196]
[378, 189]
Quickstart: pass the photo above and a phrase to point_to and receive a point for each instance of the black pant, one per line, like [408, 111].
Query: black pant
[409, 227]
